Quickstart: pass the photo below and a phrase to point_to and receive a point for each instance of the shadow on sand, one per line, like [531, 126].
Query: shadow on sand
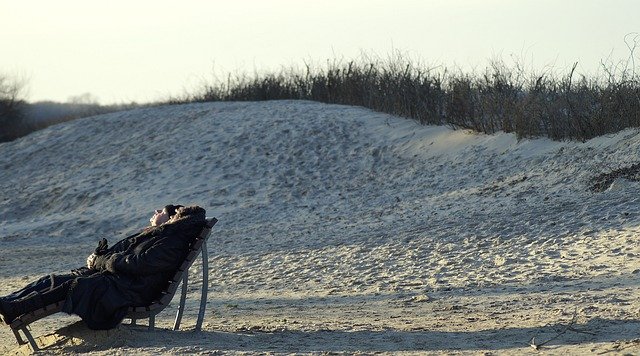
[77, 338]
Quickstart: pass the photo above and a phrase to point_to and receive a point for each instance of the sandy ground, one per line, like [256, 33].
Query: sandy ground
[341, 231]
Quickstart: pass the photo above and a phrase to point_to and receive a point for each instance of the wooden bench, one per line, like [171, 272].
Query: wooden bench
[199, 246]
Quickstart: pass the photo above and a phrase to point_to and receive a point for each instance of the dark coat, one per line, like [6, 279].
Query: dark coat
[133, 272]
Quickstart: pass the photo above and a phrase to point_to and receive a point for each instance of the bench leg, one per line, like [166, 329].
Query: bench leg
[152, 322]
[26, 333]
[18, 337]
[183, 298]
[205, 286]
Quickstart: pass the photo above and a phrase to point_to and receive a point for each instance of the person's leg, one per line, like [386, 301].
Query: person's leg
[11, 309]
[57, 293]
[47, 283]
[41, 284]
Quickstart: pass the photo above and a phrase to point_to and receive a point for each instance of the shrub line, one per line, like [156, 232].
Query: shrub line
[502, 98]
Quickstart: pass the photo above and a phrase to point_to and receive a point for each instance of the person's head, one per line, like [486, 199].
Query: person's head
[162, 216]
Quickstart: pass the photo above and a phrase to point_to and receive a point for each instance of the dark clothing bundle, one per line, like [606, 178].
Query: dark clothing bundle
[132, 272]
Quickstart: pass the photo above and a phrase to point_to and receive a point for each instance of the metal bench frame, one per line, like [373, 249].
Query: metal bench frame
[21, 324]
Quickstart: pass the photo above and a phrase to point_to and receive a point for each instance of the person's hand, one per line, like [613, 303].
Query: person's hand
[90, 260]
[102, 247]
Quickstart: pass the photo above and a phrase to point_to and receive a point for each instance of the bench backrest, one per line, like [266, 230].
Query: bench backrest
[194, 251]
[170, 290]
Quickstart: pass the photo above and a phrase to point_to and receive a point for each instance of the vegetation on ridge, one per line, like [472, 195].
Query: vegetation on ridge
[500, 98]
[11, 108]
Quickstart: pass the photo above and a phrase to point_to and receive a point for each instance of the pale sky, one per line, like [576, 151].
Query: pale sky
[142, 50]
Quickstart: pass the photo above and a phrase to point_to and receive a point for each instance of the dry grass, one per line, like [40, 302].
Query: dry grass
[500, 98]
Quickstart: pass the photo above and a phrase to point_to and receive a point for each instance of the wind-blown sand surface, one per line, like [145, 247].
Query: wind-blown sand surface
[341, 230]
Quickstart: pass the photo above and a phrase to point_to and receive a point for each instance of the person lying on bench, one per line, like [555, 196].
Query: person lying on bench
[131, 273]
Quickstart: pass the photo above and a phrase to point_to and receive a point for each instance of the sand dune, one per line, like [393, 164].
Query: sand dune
[341, 229]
